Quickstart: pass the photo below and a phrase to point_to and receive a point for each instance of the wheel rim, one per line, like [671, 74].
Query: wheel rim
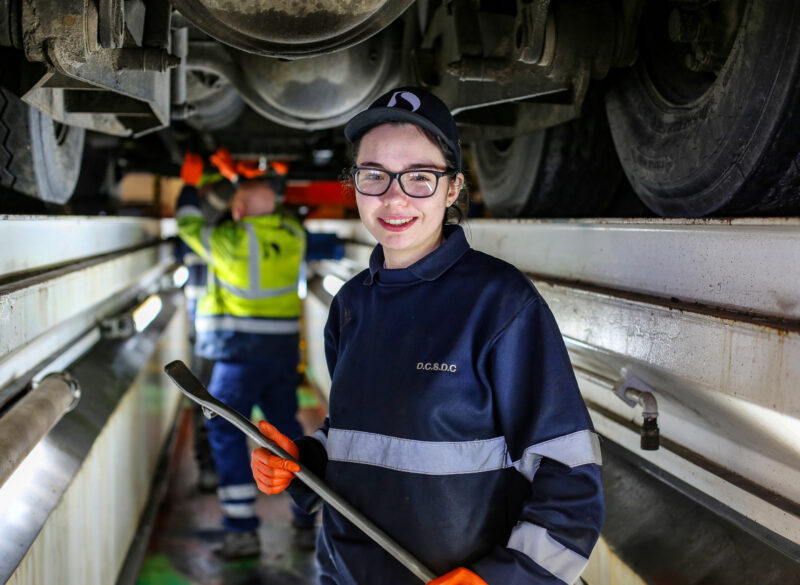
[507, 171]
[684, 46]
[57, 152]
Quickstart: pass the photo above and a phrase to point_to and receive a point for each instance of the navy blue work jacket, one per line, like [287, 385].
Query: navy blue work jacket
[455, 425]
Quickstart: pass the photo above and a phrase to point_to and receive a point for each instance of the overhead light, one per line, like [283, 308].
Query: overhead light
[131, 322]
[144, 314]
[332, 284]
[180, 276]
[322, 156]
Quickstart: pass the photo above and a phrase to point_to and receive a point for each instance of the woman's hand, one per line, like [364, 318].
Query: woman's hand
[459, 576]
[273, 474]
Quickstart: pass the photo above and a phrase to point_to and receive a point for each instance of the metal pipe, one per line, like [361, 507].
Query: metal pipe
[144, 59]
[632, 390]
[646, 400]
[179, 20]
[591, 376]
[650, 436]
[30, 419]
[180, 48]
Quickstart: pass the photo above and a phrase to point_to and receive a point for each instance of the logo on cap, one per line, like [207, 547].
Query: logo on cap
[409, 97]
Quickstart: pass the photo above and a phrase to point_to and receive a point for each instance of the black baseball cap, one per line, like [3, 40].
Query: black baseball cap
[413, 105]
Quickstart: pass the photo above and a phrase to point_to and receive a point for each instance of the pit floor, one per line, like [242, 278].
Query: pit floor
[187, 527]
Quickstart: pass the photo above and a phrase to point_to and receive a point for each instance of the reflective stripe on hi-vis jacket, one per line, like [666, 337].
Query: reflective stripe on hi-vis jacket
[246, 324]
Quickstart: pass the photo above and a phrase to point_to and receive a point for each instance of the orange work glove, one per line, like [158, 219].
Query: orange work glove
[192, 169]
[273, 474]
[249, 169]
[223, 160]
[459, 576]
[280, 167]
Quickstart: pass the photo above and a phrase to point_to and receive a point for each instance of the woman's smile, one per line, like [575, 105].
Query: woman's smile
[397, 224]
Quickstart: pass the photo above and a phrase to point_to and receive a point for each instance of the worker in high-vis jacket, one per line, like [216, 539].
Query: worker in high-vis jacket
[248, 322]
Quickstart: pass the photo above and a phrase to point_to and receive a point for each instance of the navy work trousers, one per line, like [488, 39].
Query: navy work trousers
[270, 383]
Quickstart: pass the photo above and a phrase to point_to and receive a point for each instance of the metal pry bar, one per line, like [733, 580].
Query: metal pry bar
[194, 389]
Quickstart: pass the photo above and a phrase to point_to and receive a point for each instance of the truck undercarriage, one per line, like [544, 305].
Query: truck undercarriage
[565, 106]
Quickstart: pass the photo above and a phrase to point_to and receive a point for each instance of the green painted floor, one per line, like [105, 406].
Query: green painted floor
[188, 526]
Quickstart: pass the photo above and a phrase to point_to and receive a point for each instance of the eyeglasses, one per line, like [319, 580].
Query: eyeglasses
[414, 183]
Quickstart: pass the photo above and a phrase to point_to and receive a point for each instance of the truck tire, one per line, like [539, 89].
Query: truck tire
[97, 190]
[38, 156]
[570, 170]
[726, 145]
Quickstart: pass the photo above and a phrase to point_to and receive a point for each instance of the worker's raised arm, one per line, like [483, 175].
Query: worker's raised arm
[553, 446]
[189, 214]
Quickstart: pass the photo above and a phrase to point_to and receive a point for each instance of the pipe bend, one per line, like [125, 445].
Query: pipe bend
[646, 400]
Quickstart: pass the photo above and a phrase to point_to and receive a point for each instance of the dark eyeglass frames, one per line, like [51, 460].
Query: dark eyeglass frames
[414, 183]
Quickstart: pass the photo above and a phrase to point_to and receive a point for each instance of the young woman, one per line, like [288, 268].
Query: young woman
[455, 420]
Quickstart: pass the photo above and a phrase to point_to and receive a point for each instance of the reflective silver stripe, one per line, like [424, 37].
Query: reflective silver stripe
[188, 211]
[242, 491]
[238, 510]
[578, 448]
[194, 291]
[264, 293]
[207, 242]
[320, 436]
[428, 457]
[447, 458]
[217, 201]
[528, 465]
[228, 323]
[253, 260]
[534, 542]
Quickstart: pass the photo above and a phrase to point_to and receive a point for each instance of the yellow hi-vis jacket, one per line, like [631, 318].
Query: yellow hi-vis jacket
[254, 265]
